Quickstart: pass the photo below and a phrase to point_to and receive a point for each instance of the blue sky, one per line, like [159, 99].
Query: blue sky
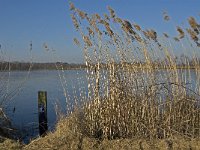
[48, 21]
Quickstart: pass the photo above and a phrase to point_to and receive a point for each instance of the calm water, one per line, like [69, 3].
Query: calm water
[25, 103]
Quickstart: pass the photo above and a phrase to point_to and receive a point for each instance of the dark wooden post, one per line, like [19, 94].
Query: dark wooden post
[42, 112]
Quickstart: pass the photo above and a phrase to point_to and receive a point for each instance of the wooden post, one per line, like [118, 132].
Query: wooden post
[42, 112]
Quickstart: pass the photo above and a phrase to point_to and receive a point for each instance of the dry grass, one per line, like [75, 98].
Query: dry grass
[67, 137]
[136, 87]
[7, 144]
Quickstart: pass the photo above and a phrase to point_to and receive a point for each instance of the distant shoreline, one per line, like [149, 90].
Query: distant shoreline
[21, 66]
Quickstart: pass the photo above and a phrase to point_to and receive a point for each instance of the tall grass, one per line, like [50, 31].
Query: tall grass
[136, 86]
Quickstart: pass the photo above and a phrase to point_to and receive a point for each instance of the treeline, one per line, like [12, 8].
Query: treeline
[22, 66]
[182, 62]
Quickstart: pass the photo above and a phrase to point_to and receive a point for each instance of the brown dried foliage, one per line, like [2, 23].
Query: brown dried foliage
[181, 32]
[112, 12]
[166, 16]
[137, 27]
[127, 27]
[194, 25]
[193, 35]
[75, 22]
[166, 35]
[87, 41]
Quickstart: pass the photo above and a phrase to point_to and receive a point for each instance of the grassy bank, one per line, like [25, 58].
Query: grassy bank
[65, 137]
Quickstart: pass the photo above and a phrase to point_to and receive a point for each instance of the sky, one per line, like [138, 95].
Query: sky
[48, 21]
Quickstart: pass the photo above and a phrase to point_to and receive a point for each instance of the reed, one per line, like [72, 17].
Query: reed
[136, 87]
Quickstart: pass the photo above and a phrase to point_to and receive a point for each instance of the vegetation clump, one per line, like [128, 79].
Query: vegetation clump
[136, 85]
[66, 136]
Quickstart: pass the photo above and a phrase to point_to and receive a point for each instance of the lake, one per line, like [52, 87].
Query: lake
[22, 109]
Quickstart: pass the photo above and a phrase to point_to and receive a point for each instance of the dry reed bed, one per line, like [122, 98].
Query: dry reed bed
[136, 86]
[67, 137]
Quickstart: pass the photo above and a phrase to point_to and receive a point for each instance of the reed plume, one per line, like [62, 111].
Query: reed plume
[134, 88]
